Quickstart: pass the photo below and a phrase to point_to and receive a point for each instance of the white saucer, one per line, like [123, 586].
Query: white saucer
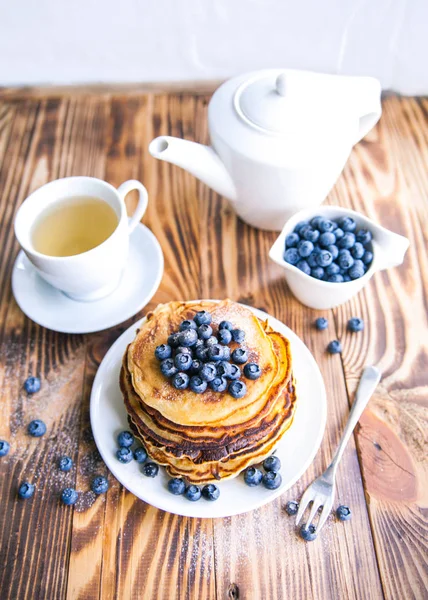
[50, 308]
[296, 450]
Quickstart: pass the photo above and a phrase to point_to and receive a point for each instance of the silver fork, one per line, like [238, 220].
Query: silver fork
[322, 491]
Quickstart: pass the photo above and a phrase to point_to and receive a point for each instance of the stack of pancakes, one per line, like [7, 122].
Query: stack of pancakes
[208, 436]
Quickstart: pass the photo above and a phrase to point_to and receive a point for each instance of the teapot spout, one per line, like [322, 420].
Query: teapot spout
[199, 160]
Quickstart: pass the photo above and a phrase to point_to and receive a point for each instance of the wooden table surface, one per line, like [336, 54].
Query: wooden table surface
[118, 547]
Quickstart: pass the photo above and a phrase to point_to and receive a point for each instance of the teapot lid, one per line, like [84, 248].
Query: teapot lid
[275, 103]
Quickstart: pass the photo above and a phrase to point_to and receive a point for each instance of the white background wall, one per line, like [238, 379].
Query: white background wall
[88, 41]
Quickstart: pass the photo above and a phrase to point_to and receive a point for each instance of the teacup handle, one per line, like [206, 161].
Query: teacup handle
[123, 190]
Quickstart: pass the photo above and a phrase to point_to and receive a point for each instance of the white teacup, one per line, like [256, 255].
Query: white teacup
[93, 274]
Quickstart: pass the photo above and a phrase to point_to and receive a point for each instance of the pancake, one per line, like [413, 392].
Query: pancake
[212, 435]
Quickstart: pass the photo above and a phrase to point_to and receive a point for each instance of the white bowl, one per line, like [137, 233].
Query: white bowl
[388, 251]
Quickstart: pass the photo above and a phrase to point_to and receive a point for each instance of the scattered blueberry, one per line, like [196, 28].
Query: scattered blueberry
[205, 331]
[292, 240]
[125, 439]
[364, 236]
[32, 385]
[238, 335]
[215, 352]
[324, 258]
[195, 367]
[355, 324]
[140, 454]
[343, 513]
[201, 353]
[303, 265]
[184, 350]
[69, 496]
[163, 351]
[291, 508]
[150, 469]
[65, 464]
[252, 371]
[183, 362]
[124, 455]
[226, 325]
[321, 323]
[308, 534]
[240, 356]
[347, 224]
[174, 340]
[317, 272]
[291, 256]
[272, 480]
[226, 353]
[176, 486]
[36, 428]
[224, 336]
[218, 384]
[202, 317]
[4, 447]
[223, 368]
[211, 341]
[235, 372]
[197, 384]
[305, 248]
[187, 324]
[208, 372]
[99, 485]
[272, 463]
[334, 347]
[168, 367]
[180, 381]
[237, 389]
[187, 338]
[357, 250]
[347, 241]
[253, 476]
[210, 492]
[26, 490]
[192, 493]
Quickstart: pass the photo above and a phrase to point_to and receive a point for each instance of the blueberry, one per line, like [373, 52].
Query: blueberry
[238, 335]
[338, 233]
[184, 350]
[357, 270]
[305, 248]
[192, 493]
[326, 225]
[324, 258]
[210, 492]
[226, 325]
[334, 250]
[26, 490]
[308, 534]
[65, 464]
[253, 476]
[197, 384]
[235, 372]
[188, 324]
[195, 367]
[174, 340]
[150, 469]
[208, 372]
[211, 341]
[32, 385]
[272, 480]
[237, 389]
[36, 428]
[367, 258]
[355, 324]
[240, 356]
[224, 336]
[69, 496]
[218, 384]
[291, 508]
[188, 338]
[202, 317]
[335, 278]
[124, 455]
[343, 513]
[292, 240]
[163, 351]
[304, 266]
[215, 352]
[332, 269]
[201, 354]
[357, 250]
[300, 226]
[125, 439]
[205, 331]
[140, 454]
[317, 272]
[310, 234]
[334, 347]
[347, 224]
[252, 371]
[180, 381]
[226, 353]
[168, 367]
[345, 260]
[315, 221]
[4, 447]
[346, 277]
[291, 256]
[364, 236]
[183, 362]
[176, 486]
[99, 485]
[272, 463]
[223, 368]
[199, 344]
[312, 258]
[327, 239]
[347, 241]
[321, 323]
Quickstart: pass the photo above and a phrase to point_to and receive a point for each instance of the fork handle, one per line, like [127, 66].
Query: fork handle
[368, 382]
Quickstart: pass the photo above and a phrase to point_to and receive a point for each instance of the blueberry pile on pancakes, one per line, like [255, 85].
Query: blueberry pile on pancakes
[179, 379]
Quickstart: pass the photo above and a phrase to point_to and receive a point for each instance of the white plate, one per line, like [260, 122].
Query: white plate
[296, 450]
[50, 308]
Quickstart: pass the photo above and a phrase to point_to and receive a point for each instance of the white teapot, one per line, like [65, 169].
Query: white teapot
[280, 139]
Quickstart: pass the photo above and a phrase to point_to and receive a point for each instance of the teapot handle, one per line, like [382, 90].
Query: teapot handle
[367, 93]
